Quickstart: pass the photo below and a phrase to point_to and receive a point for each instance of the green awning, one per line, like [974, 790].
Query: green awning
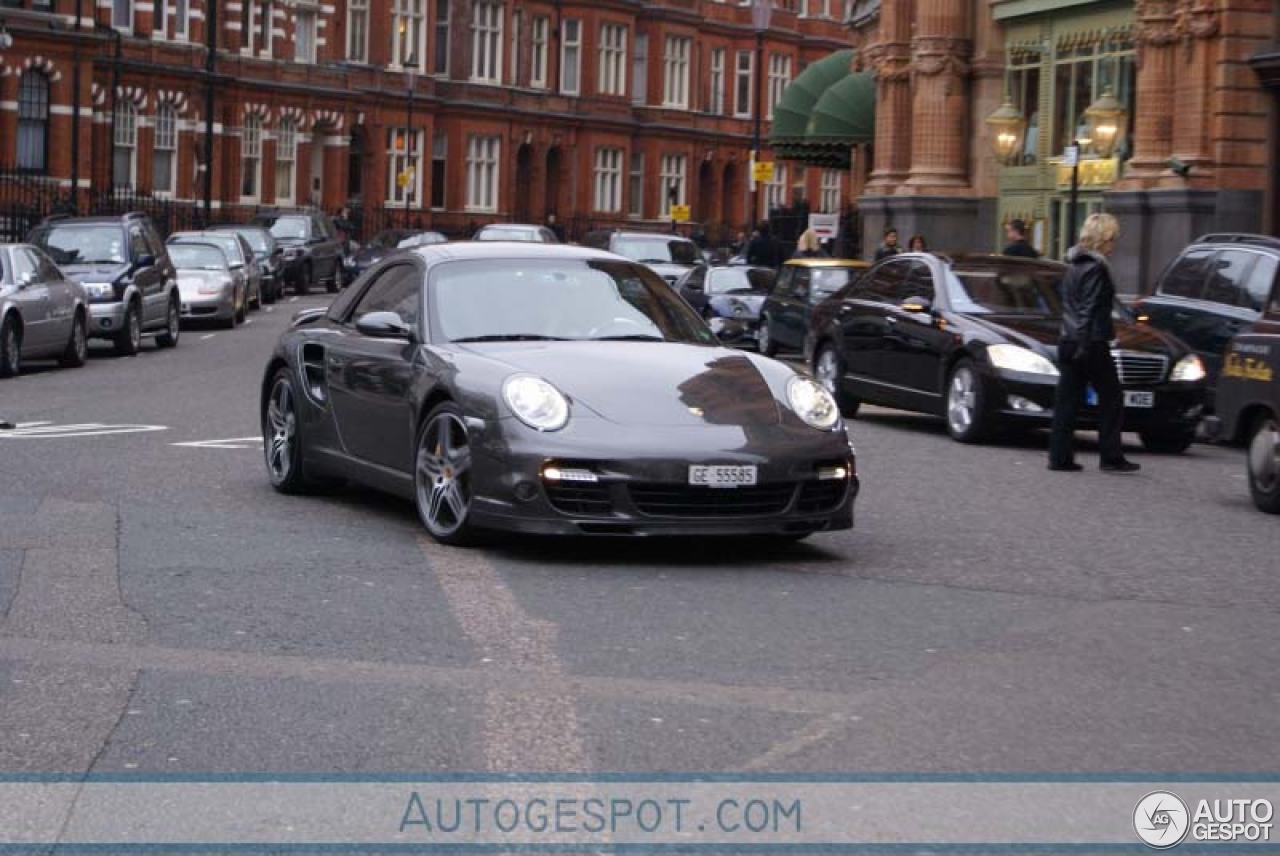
[824, 112]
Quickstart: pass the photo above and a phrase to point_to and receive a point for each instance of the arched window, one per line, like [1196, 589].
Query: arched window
[33, 121]
[124, 163]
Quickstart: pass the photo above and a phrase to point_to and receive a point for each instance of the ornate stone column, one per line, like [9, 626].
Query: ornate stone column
[1192, 122]
[1156, 38]
[940, 53]
[889, 59]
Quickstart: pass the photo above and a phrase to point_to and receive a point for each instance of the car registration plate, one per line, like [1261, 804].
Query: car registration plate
[1139, 398]
[722, 475]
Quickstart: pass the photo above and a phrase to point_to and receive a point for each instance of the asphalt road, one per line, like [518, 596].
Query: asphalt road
[165, 611]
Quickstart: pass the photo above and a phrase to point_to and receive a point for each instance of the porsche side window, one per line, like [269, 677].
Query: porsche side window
[395, 291]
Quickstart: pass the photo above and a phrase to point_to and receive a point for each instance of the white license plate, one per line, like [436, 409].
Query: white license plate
[1139, 398]
[722, 475]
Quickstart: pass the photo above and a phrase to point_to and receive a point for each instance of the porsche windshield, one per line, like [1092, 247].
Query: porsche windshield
[558, 299]
[1005, 290]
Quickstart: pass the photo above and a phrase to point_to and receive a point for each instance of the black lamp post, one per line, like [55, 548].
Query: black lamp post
[210, 67]
[75, 111]
[761, 12]
[116, 58]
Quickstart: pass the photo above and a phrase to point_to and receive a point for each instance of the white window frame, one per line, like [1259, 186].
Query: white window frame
[358, 31]
[539, 29]
[440, 155]
[160, 20]
[715, 103]
[440, 60]
[779, 79]
[409, 34]
[181, 19]
[513, 63]
[608, 181]
[165, 144]
[775, 192]
[674, 167]
[830, 190]
[486, 41]
[675, 68]
[635, 189]
[258, 22]
[741, 75]
[484, 154]
[122, 12]
[611, 66]
[286, 160]
[404, 151]
[125, 140]
[640, 70]
[251, 158]
[305, 50]
[571, 57]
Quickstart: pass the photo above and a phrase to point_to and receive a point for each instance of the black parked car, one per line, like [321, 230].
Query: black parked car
[312, 251]
[1216, 287]
[125, 269]
[385, 242]
[1248, 402]
[485, 382]
[268, 254]
[974, 339]
[729, 297]
[802, 285]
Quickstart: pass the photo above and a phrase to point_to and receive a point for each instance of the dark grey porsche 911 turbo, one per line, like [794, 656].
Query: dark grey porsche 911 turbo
[549, 389]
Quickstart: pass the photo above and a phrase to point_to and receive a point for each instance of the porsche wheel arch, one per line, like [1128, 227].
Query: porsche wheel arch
[1245, 421]
[437, 396]
[277, 362]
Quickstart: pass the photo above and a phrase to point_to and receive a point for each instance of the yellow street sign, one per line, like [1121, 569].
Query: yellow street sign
[762, 171]
[404, 178]
[681, 213]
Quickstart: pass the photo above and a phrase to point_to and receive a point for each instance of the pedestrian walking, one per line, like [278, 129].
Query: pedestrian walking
[763, 249]
[890, 246]
[1084, 350]
[1015, 232]
[917, 244]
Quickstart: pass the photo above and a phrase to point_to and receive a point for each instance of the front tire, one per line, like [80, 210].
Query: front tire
[828, 368]
[335, 282]
[968, 419]
[282, 437]
[77, 350]
[242, 307]
[172, 327]
[1166, 441]
[764, 338]
[442, 475]
[10, 348]
[129, 340]
[1264, 463]
[303, 285]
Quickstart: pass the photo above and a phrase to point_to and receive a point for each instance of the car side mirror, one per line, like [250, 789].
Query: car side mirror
[144, 261]
[384, 325]
[27, 279]
[916, 304]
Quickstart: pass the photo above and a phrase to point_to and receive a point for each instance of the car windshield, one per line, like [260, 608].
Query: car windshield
[256, 239]
[532, 299]
[740, 280]
[422, 239]
[291, 228]
[228, 243]
[82, 243]
[658, 249]
[197, 257]
[831, 280]
[1005, 290]
[508, 233]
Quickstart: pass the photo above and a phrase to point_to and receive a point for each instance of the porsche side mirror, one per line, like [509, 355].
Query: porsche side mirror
[916, 304]
[384, 325]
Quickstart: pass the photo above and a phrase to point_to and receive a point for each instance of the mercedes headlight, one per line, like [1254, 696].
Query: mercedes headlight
[98, 289]
[1016, 358]
[536, 403]
[812, 403]
[1189, 369]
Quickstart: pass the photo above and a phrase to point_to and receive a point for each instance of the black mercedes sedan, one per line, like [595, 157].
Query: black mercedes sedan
[974, 339]
[549, 389]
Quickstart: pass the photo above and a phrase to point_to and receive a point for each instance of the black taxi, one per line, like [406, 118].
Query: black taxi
[1248, 403]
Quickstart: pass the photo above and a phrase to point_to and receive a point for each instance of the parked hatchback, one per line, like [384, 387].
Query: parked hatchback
[801, 285]
[1217, 286]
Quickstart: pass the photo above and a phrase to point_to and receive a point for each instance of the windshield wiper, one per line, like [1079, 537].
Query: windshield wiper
[513, 337]
[630, 337]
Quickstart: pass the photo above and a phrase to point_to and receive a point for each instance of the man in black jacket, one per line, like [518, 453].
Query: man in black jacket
[1084, 350]
[1016, 233]
[763, 248]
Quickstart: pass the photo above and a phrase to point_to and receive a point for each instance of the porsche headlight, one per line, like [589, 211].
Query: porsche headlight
[1015, 358]
[1189, 369]
[97, 290]
[812, 403]
[536, 403]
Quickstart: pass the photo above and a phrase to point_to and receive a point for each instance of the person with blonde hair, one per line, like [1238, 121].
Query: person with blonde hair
[808, 246]
[1084, 350]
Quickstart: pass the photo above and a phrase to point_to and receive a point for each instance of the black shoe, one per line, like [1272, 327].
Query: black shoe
[1066, 468]
[1120, 467]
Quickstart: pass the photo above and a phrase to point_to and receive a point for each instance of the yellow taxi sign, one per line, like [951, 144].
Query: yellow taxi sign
[762, 171]
[681, 213]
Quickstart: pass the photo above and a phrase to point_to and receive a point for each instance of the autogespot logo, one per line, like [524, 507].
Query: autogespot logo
[1161, 819]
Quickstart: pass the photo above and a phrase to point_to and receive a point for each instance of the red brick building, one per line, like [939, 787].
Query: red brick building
[452, 111]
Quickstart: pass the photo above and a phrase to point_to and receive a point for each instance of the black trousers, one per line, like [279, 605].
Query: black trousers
[1098, 369]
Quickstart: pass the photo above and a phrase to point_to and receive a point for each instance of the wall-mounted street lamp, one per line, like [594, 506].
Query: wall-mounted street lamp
[1106, 120]
[1008, 126]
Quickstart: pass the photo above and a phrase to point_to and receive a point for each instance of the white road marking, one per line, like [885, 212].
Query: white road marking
[207, 336]
[268, 309]
[228, 443]
[248, 321]
[87, 429]
[31, 424]
[293, 299]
